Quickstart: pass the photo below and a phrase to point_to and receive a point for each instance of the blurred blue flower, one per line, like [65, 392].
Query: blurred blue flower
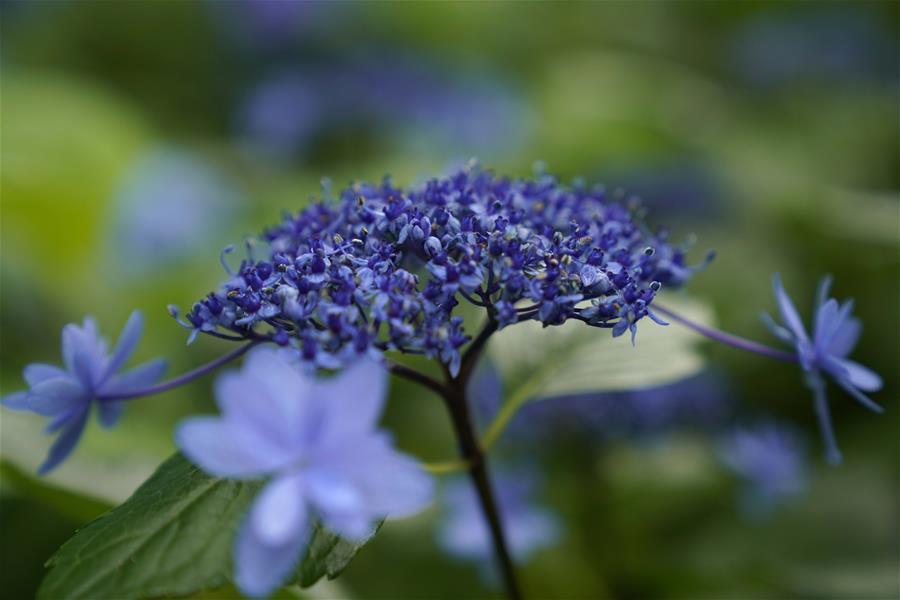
[834, 44]
[463, 531]
[317, 441]
[407, 102]
[834, 336]
[266, 26]
[677, 189]
[90, 376]
[282, 115]
[770, 461]
[170, 202]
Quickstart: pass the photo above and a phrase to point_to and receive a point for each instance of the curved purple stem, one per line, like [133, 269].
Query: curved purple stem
[727, 338]
[186, 377]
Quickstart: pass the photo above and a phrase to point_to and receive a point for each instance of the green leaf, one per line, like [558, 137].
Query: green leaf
[327, 555]
[546, 362]
[172, 537]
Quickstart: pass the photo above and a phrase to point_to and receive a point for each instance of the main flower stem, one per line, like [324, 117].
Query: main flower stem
[473, 460]
[458, 406]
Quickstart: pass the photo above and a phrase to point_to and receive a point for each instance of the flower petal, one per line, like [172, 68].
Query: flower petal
[332, 492]
[66, 441]
[393, 484]
[860, 376]
[269, 394]
[84, 352]
[128, 340]
[225, 449]
[340, 504]
[57, 395]
[788, 310]
[777, 330]
[844, 339]
[38, 372]
[15, 401]
[260, 568]
[279, 512]
[139, 377]
[822, 293]
[827, 324]
[354, 526]
[860, 397]
[353, 400]
[835, 326]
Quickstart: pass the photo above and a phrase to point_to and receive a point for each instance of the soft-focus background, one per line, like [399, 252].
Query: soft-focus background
[139, 138]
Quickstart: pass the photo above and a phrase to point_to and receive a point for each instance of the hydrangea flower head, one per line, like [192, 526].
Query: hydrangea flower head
[824, 353]
[316, 439]
[529, 528]
[770, 460]
[382, 268]
[90, 376]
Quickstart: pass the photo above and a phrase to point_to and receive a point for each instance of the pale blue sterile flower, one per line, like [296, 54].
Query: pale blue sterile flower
[528, 527]
[317, 439]
[834, 336]
[65, 395]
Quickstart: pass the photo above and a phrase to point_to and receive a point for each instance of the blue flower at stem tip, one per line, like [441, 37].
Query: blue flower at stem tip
[317, 441]
[835, 334]
[90, 376]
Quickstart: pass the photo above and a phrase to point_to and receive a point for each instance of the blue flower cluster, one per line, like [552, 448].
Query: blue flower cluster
[382, 268]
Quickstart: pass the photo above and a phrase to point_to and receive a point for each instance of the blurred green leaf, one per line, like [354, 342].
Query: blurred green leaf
[79, 506]
[172, 537]
[107, 465]
[69, 142]
[574, 358]
[545, 362]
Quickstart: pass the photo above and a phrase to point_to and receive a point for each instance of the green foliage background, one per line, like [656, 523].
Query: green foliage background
[807, 183]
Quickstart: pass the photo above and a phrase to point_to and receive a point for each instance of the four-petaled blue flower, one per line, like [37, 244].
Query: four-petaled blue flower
[528, 528]
[89, 377]
[834, 336]
[317, 440]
